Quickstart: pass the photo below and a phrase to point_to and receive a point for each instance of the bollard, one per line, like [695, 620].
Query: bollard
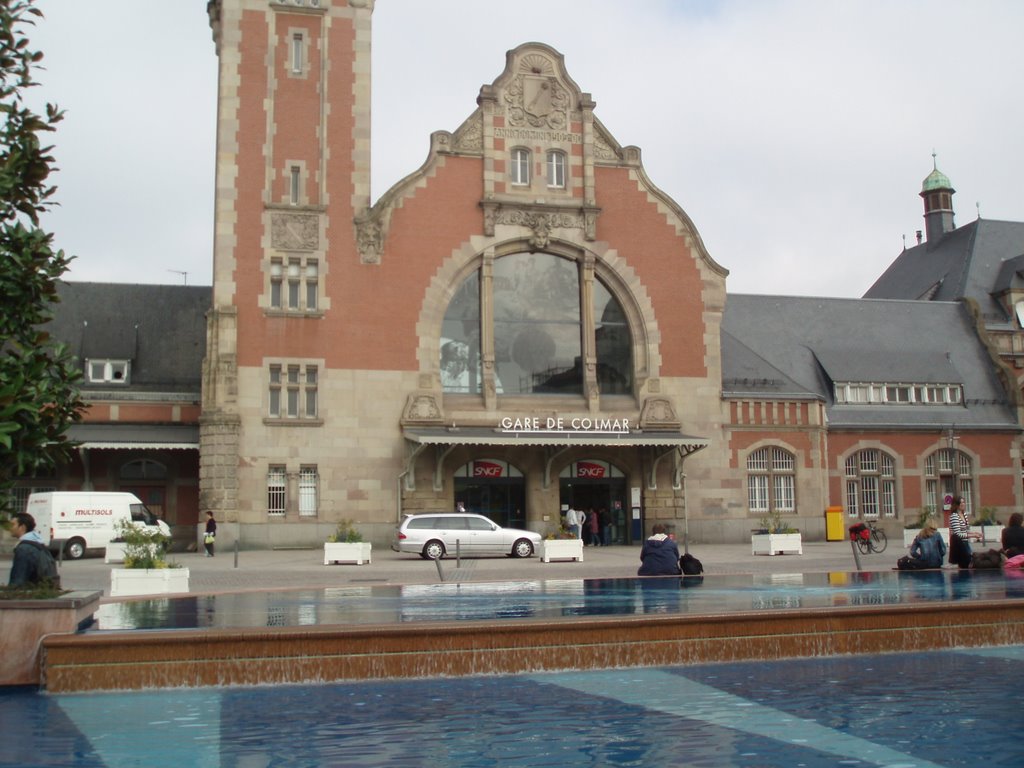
[236, 553]
[440, 573]
[458, 553]
[856, 553]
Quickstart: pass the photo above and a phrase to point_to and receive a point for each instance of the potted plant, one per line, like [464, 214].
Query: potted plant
[346, 545]
[146, 570]
[561, 545]
[775, 537]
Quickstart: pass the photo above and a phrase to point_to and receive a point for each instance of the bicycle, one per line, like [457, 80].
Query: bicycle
[868, 537]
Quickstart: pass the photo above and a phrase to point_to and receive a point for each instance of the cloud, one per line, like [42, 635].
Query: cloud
[794, 133]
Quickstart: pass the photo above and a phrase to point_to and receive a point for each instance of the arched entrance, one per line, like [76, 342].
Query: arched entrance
[596, 484]
[494, 488]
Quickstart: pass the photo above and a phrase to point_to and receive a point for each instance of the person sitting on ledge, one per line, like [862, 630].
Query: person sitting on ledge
[659, 555]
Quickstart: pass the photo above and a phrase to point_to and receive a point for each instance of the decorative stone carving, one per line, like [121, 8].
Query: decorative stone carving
[537, 101]
[422, 409]
[369, 237]
[295, 231]
[603, 150]
[470, 136]
[659, 413]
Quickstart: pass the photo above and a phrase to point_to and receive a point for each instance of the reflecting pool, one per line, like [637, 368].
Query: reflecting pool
[557, 599]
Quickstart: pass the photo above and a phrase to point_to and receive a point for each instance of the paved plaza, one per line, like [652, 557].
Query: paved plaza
[299, 568]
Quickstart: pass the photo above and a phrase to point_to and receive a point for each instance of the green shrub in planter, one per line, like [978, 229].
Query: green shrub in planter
[345, 534]
[144, 548]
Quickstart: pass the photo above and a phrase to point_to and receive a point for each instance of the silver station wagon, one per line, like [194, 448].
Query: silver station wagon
[432, 535]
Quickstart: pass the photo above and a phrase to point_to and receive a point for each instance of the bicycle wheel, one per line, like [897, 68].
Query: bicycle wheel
[878, 541]
[864, 545]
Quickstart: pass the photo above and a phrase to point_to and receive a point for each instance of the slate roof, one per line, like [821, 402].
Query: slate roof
[160, 328]
[973, 261]
[798, 346]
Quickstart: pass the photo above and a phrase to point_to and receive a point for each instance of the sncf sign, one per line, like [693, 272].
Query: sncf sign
[487, 469]
[589, 469]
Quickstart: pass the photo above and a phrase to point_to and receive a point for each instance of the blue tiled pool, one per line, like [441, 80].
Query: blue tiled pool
[938, 708]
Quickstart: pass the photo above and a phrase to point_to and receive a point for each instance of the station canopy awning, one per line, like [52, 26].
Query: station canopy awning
[543, 437]
[135, 436]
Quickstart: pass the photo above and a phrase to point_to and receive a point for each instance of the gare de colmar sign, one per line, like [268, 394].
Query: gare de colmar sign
[557, 424]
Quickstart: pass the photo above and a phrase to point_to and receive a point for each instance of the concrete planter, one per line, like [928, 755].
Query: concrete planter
[357, 552]
[125, 582]
[114, 552]
[561, 549]
[776, 544]
[23, 624]
[990, 534]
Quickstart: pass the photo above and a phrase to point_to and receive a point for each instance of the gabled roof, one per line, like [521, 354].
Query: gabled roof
[816, 342]
[161, 329]
[968, 262]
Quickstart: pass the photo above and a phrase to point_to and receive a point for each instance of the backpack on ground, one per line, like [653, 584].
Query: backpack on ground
[690, 565]
[991, 559]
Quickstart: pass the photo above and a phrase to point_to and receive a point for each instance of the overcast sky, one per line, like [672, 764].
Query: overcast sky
[795, 133]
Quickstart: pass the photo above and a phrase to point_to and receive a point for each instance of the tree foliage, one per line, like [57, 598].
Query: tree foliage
[39, 397]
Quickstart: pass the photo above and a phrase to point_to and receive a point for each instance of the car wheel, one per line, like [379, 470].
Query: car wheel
[433, 550]
[522, 548]
[74, 549]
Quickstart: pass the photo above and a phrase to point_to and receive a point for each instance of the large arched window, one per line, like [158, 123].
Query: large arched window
[948, 471]
[870, 484]
[537, 305]
[771, 481]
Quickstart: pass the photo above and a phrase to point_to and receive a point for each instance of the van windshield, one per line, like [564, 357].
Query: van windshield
[141, 514]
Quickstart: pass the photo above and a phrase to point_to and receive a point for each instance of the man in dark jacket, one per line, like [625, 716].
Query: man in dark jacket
[33, 564]
[659, 555]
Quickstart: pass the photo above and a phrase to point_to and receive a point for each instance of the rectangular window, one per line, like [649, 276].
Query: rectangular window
[298, 46]
[294, 186]
[852, 498]
[757, 492]
[277, 484]
[897, 394]
[869, 498]
[293, 391]
[312, 284]
[276, 277]
[308, 483]
[274, 409]
[556, 169]
[889, 498]
[785, 496]
[311, 391]
[520, 166]
[294, 279]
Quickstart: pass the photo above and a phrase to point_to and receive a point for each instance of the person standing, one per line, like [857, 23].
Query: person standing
[210, 536]
[33, 565]
[572, 522]
[960, 533]
[594, 526]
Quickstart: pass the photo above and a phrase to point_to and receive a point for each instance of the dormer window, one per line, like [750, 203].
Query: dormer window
[108, 371]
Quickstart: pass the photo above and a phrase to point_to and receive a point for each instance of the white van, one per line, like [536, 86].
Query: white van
[81, 520]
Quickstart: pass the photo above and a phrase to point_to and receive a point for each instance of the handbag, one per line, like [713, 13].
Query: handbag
[209, 538]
